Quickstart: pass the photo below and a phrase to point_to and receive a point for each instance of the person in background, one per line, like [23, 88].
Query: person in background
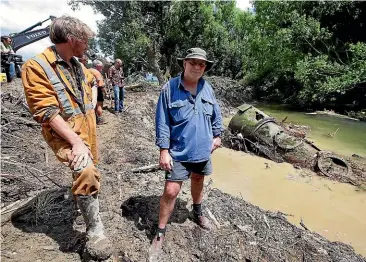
[5, 48]
[116, 76]
[101, 93]
[92, 78]
[84, 60]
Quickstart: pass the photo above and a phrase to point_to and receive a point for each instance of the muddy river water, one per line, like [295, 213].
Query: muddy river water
[349, 138]
[335, 210]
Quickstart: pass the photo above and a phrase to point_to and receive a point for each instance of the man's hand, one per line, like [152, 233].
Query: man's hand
[215, 143]
[165, 161]
[80, 155]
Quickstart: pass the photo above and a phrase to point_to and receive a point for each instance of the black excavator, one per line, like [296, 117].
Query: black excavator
[19, 40]
[24, 38]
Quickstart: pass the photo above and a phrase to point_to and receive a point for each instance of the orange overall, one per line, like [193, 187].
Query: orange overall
[49, 92]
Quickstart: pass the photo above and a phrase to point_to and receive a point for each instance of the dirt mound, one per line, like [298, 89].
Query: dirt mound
[28, 165]
[230, 93]
[129, 201]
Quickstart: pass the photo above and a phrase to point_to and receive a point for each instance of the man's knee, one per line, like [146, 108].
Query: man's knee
[196, 178]
[172, 189]
[86, 181]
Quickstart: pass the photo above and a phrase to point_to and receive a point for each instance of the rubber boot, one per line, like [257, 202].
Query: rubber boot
[97, 244]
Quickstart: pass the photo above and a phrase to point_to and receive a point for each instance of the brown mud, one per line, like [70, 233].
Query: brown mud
[48, 228]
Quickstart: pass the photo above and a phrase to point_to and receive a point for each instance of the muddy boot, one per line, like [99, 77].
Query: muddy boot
[97, 246]
[156, 247]
[201, 220]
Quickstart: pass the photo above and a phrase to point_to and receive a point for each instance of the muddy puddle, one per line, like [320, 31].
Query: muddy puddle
[335, 210]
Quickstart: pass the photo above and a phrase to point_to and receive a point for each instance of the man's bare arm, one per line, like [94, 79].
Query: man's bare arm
[59, 125]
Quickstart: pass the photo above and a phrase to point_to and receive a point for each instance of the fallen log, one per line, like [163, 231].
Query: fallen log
[7, 211]
[148, 168]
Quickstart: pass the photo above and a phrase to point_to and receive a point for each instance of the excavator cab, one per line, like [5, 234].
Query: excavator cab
[11, 61]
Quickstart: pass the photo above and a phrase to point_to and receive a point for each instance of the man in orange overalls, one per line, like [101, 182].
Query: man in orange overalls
[59, 93]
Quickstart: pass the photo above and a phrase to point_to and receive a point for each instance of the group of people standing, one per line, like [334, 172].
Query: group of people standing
[59, 92]
[115, 76]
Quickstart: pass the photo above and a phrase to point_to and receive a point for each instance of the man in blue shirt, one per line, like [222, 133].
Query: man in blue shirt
[188, 130]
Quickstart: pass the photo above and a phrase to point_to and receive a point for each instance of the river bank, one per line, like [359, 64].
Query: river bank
[297, 192]
[338, 134]
[129, 201]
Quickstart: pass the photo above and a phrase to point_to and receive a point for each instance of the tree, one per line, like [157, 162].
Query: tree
[302, 52]
[131, 30]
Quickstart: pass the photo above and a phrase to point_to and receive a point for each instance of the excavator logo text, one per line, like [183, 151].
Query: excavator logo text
[38, 34]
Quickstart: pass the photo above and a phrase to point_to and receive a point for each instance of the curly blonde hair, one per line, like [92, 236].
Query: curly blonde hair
[65, 27]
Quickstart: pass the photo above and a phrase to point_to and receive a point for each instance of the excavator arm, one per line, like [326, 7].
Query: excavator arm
[27, 36]
[21, 40]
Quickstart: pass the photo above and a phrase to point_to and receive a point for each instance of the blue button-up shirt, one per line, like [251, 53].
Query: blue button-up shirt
[185, 124]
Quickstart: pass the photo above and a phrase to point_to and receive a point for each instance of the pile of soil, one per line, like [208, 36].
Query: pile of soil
[48, 228]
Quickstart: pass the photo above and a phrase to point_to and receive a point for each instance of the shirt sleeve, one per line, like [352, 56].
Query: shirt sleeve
[40, 95]
[216, 120]
[2, 47]
[111, 72]
[162, 121]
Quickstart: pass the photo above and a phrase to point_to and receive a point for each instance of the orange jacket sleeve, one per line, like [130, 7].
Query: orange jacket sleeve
[40, 95]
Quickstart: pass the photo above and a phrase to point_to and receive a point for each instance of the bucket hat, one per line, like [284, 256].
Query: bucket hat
[196, 53]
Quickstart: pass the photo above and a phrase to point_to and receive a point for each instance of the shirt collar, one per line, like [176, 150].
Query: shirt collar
[58, 58]
[200, 85]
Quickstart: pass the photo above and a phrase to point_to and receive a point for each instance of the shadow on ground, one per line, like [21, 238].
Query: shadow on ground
[144, 211]
[51, 212]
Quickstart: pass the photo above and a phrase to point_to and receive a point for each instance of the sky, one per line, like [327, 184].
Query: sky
[17, 15]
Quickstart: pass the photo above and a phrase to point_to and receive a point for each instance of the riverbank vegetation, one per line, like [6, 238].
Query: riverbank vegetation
[309, 54]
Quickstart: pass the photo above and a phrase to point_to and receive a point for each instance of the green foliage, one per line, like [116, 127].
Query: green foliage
[296, 54]
[303, 52]
[324, 80]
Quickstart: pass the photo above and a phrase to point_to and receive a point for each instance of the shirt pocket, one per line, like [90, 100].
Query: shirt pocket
[207, 105]
[179, 110]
